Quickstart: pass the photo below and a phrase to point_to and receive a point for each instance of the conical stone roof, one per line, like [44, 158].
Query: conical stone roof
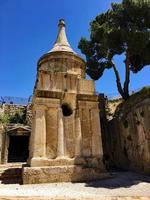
[61, 43]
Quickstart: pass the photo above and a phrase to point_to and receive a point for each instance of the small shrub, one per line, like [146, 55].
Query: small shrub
[5, 118]
[18, 117]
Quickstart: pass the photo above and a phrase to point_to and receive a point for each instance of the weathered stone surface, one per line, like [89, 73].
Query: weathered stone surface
[51, 132]
[70, 173]
[1, 140]
[130, 134]
[11, 109]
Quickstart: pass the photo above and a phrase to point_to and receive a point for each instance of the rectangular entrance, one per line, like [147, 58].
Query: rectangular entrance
[18, 150]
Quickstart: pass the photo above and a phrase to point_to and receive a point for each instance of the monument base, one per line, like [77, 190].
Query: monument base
[51, 174]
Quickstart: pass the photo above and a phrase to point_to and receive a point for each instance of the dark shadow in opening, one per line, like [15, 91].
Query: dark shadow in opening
[18, 148]
[11, 176]
[66, 109]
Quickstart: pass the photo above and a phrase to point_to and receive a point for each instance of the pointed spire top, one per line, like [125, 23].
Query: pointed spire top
[61, 23]
[62, 43]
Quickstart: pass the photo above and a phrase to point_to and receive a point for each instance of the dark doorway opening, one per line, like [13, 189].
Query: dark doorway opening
[18, 148]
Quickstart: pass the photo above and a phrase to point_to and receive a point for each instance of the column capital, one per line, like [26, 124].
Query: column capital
[37, 107]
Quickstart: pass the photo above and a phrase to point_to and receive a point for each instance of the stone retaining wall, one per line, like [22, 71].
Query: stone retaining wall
[128, 134]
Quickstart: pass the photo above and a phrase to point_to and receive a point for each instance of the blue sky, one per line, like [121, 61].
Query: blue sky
[28, 29]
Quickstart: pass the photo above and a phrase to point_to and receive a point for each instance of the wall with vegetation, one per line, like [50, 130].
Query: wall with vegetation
[17, 114]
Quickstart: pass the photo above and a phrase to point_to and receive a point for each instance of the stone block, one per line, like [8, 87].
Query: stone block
[52, 174]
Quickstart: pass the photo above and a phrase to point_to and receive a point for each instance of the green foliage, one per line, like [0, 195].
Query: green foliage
[123, 29]
[5, 118]
[18, 117]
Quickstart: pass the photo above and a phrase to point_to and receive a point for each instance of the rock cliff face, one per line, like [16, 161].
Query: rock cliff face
[129, 133]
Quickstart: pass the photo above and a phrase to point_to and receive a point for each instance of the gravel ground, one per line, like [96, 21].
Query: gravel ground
[122, 184]
[99, 198]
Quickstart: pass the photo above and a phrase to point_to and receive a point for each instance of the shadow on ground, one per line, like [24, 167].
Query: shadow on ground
[11, 176]
[120, 179]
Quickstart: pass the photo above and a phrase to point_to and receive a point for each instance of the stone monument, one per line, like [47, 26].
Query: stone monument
[65, 142]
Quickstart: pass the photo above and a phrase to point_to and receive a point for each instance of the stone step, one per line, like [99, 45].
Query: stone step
[9, 165]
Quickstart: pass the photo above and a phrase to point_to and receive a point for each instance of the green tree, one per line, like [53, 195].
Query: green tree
[122, 30]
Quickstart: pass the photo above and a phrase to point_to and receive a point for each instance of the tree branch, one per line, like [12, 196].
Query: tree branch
[118, 80]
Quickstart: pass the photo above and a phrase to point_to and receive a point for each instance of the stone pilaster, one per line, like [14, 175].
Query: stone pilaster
[38, 137]
[78, 135]
[96, 133]
[60, 147]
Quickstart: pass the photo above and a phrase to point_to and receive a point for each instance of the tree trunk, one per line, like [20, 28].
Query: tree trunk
[127, 77]
[118, 80]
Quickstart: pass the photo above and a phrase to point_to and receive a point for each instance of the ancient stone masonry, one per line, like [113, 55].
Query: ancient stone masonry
[11, 109]
[29, 114]
[128, 133]
[65, 143]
